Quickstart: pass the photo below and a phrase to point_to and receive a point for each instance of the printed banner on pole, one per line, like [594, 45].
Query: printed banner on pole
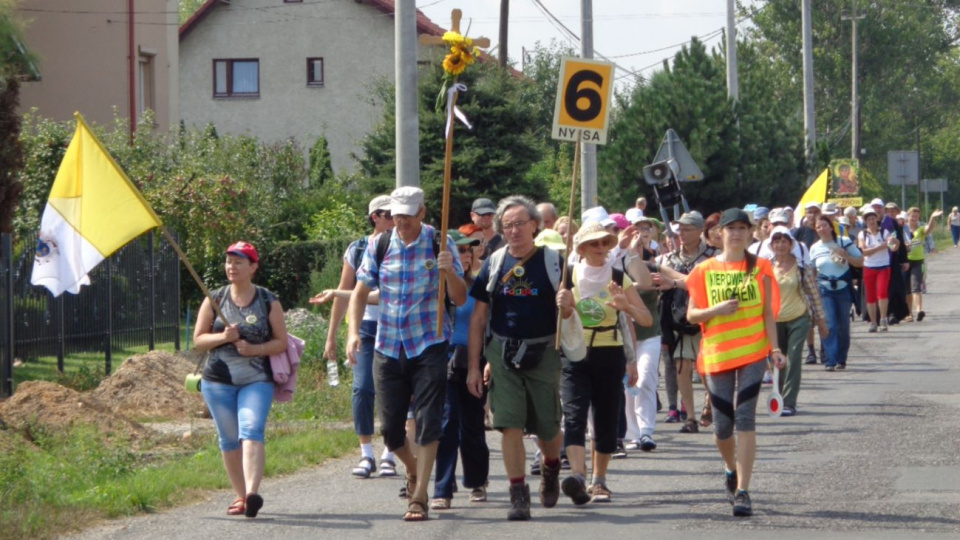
[93, 211]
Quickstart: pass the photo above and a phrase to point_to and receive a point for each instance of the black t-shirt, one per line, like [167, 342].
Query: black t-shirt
[493, 245]
[525, 307]
[805, 235]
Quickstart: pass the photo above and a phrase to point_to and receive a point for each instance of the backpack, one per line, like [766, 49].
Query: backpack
[673, 303]
[383, 245]
[359, 248]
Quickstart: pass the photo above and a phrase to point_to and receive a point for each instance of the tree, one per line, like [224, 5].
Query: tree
[490, 160]
[321, 168]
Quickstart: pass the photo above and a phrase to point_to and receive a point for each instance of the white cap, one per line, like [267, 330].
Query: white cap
[876, 202]
[597, 213]
[380, 202]
[778, 215]
[406, 201]
[634, 215]
[811, 204]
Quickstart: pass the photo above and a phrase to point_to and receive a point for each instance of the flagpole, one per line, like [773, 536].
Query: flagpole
[444, 218]
[566, 254]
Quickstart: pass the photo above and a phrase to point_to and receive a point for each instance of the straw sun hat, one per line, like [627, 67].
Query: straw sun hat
[593, 230]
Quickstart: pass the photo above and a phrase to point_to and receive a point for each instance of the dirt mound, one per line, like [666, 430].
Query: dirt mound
[150, 387]
[55, 407]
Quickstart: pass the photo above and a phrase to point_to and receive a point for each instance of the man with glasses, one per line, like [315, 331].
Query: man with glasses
[481, 213]
[363, 389]
[513, 325]
[410, 356]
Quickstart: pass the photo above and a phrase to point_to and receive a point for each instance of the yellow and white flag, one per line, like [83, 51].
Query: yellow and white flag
[817, 192]
[93, 211]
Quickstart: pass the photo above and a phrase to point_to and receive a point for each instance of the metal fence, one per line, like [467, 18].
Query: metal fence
[133, 300]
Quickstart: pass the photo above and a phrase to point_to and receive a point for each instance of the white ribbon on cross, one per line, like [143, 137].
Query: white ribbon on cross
[455, 87]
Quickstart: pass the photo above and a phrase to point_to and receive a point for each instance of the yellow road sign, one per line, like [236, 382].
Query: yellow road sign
[584, 95]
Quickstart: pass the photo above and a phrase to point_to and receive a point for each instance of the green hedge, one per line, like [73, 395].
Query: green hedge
[293, 269]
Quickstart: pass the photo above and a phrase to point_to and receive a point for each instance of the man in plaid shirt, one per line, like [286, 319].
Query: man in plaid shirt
[410, 358]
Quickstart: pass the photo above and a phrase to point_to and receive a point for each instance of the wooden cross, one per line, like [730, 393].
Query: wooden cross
[455, 17]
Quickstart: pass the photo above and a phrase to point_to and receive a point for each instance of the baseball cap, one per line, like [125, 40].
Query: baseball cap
[829, 208]
[483, 207]
[406, 201]
[760, 212]
[691, 218]
[244, 249]
[811, 204]
[892, 206]
[876, 202]
[779, 215]
[868, 209]
[461, 240]
[380, 202]
[634, 215]
[733, 215]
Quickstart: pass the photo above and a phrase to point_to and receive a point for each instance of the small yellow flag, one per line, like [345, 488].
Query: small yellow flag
[817, 192]
[93, 211]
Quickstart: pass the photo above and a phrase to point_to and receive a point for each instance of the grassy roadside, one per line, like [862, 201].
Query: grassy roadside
[56, 481]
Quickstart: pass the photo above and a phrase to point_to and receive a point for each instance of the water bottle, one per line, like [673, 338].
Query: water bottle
[333, 373]
[632, 390]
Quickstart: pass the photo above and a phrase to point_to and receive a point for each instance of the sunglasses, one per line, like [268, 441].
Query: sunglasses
[463, 249]
[594, 243]
[384, 214]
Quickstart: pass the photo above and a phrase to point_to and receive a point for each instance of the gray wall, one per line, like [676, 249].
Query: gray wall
[355, 40]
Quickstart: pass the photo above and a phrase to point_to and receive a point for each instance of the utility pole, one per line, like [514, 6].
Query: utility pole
[588, 152]
[405, 72]
[853, 16]
[809, 106]
[733, 84]
[504, 25]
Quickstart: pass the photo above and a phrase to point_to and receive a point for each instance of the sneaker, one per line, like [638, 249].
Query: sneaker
[573, 487]
[673, 416]
[841, 366]
[535, 467]
[550, 486]
[690, 426]
[873, 328]
[730, 482]
[883, 325]
[599, 493]
[767, 377]
[829, 368]
[788, 411]
[647, 444]
[519, 503]
[920, 315]
[365, 468]
[683, 412]
[564, 462]
[478, 494]
[620, 452]
[741, 504]
[632, 445]
[811, 358]
[387, 468]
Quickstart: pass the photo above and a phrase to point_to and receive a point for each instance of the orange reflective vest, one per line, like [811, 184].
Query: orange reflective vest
[732, 341]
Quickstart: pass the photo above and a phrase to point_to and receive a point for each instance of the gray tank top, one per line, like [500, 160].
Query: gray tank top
[225, 364]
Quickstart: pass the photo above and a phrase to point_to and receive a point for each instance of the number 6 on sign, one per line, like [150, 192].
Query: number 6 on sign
[583, 101]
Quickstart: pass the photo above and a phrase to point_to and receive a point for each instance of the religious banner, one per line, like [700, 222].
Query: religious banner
[845, 183]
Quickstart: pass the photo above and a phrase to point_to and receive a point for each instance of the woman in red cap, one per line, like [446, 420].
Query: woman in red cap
[237, 381]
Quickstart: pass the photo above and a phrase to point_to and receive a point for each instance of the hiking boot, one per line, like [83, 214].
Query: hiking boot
[883, 325]
[741, 504]
[690, 426]
[599, 493]
[549, 485]
[730, 483]
[573, 487]
[519, 502]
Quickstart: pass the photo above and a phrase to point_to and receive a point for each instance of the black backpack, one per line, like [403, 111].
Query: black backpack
[673, 304]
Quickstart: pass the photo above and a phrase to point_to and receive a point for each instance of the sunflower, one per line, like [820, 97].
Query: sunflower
[454, 63]
[454, 38]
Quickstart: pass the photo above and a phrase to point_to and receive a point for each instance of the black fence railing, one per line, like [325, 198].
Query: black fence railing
[133, 300]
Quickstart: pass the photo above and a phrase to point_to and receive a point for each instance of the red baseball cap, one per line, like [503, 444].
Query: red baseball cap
[244, 249]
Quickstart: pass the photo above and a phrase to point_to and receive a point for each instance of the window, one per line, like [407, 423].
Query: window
[147, 85]
[315, 72]
[236, 78]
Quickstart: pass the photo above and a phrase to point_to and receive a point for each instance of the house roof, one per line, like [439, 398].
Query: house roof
[424, 24]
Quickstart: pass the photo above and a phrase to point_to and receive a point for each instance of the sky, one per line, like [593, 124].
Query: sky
[636, 34]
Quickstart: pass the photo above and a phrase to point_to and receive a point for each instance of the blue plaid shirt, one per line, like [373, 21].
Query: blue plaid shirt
[409, 281]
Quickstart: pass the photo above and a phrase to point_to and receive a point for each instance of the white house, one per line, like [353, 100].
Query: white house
[276, 69]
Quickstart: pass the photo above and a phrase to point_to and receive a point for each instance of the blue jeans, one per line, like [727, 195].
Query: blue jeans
[363, 388]
[240, 412]
[955, 231]
[837, 306]
[463, 430]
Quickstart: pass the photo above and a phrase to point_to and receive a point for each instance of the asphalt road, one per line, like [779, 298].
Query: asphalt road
[873, 453]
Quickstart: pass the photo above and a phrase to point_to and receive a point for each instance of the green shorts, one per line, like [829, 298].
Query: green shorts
[529, 399]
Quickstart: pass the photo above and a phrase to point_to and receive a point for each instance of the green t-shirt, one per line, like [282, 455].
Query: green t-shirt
[916, 252]
[650, 301]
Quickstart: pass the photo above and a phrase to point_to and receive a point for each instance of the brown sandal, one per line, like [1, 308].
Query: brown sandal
[416, 511]
[411, 486]
[237, 508]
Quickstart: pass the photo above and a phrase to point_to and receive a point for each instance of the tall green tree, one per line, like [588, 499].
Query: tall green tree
[491, 160]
